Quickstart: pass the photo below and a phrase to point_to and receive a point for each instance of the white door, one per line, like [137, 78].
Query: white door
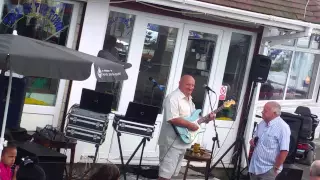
[153, 54]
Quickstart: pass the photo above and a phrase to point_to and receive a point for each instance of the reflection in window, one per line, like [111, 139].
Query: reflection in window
[275, 85]
[116, 46]
[298, 82]
[302, 76]
[288, 42]
[234, 73]
[44, 21]
[155, 64]
[197, 62]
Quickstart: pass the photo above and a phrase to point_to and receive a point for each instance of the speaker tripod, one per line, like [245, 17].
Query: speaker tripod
[239, 145]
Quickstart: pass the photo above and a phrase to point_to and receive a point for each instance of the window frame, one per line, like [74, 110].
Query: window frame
[315, 90]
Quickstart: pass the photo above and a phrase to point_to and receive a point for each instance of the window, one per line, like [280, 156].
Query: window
[234, 73]
[293, 72]
[275, 86]
[302, 76]
[47, 21]
[116, 43]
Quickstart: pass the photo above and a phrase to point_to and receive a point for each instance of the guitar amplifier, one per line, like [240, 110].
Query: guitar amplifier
[89, 120]
[85, 135]
[128, 127]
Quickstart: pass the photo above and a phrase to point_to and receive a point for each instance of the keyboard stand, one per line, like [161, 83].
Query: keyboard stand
[124, 166]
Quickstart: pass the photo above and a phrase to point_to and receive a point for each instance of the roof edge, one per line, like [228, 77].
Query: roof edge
[239, 14]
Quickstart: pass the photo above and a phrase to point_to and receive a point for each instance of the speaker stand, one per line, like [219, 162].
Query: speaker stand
[239, 143]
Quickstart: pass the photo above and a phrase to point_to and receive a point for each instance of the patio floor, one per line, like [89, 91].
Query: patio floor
[193, 174]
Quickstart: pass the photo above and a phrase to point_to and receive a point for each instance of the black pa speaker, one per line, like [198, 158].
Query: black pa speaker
[295, 123]
[260, 68]
[18, 93]
[52, 162]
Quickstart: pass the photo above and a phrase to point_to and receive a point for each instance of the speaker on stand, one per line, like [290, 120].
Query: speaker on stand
[260, 68]
[258, 73]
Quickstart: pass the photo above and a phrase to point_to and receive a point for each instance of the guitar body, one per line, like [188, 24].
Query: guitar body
[188, 136]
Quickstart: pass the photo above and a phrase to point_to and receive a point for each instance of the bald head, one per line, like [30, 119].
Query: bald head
[186, 85]
[315, 170]
[271, 110]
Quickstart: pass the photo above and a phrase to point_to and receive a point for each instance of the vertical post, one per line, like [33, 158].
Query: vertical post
[1, 8]
[96, 154]
[124, 170]
[6, 112]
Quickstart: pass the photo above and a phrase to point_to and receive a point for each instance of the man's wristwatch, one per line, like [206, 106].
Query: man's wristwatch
[274, 167]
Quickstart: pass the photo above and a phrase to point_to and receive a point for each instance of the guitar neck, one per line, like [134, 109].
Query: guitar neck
[204, 119]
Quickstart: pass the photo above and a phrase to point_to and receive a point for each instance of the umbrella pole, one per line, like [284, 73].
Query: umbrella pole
[2, 140]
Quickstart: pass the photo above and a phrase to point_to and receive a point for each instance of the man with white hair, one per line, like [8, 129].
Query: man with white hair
[315, 170]
[272, 146]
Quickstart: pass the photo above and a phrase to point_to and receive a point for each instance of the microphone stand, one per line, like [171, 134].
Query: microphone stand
[152, 93]
[214, 139]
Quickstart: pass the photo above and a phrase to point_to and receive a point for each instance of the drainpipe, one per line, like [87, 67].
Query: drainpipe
[233, 13]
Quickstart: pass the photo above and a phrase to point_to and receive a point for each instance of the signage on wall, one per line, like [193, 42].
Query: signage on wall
[223, 93]
[35, 10]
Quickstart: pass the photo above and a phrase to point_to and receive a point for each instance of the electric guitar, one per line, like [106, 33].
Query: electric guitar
[188, 136]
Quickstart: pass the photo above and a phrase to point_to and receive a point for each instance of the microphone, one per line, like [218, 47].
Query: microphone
[161, 87]
[153, 81]
[208, 88]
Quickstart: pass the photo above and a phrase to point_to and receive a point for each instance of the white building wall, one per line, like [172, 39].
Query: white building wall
[92, 38]
[96, 17]
[227, 130]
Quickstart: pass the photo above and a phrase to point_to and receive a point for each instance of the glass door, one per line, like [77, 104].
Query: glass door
[153, 54]
[199, 54]
[153, 58]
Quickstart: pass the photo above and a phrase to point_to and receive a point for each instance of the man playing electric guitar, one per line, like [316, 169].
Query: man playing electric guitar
[177, 106]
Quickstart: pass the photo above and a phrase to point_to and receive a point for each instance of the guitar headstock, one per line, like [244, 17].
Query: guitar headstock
[229, 103]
